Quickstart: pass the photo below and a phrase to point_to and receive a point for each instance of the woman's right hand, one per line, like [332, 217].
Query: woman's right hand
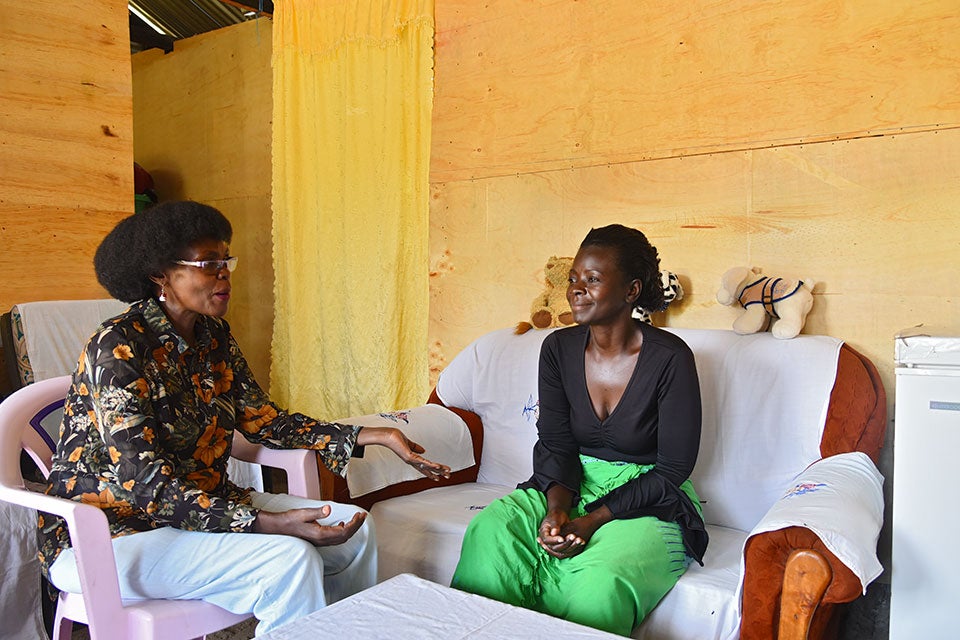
[302, 523]
[551, 535]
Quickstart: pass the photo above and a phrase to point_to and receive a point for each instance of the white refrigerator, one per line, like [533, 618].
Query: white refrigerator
[925, 564]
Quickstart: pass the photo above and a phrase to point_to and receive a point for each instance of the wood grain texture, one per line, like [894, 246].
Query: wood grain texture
[872, 221]
[551, 84]
[66, 144]
[805, 580]
[202, 123]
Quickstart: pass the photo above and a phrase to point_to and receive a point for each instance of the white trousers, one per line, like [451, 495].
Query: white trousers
[278, 578]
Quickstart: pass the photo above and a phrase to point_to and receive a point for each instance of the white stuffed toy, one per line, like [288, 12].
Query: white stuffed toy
[787, 302]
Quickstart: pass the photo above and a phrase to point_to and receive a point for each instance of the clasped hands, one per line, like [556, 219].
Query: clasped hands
[563, 538]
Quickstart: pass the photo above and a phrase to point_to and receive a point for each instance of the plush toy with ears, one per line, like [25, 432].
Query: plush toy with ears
[672, 291]
[786, 302]
[551, 309]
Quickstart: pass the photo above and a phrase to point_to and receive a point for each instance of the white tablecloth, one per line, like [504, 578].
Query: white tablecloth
[412, 608]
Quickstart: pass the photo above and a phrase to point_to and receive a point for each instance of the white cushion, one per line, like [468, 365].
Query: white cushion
[765, 404]
[704, 603]
[55, 331]
[422, 533]
[496, 378]
[441, 432]
[764, 407]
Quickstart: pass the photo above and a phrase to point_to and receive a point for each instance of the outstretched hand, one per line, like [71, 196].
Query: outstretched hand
[302, 523]
[405, 448]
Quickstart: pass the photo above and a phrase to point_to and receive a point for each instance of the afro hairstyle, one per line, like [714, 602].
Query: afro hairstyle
[144, 244]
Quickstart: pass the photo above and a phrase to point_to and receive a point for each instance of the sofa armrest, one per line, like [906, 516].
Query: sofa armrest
[835, 509]
[339, 492]
[857, 415]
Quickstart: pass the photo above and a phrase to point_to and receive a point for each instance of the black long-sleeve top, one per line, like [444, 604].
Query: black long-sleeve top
[657, 421]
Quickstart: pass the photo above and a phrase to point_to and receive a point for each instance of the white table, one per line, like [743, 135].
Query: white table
[412, 608]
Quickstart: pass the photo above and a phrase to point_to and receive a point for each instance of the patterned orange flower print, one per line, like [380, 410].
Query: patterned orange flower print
[206, 480]
[129, 484]
[114, 455]
[205, 394]
[321, 443]
[105, 499]
[212, 444]
[222, 378]
[122, 352]
[148, 434]
[160, 355]
[143, 390]
[75, 454]
[254, 418]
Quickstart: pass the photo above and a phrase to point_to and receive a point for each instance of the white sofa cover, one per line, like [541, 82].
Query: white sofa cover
[765, 402]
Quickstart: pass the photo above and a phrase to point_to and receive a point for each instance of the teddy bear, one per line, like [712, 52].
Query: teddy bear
[766, 298]
[550, 309]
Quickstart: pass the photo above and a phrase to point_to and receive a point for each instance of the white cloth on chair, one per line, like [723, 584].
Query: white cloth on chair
[56, 330]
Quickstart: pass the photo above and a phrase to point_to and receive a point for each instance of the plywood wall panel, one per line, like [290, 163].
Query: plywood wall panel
[66, 125]
[496, 234]
[66, 144]
[202, 121]
[48, 252]
[872, 221]
[534, 86]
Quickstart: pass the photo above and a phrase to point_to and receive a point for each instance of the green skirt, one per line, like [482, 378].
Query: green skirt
[621, 575]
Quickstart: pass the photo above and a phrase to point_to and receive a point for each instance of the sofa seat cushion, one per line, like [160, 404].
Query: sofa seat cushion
[704, 603]
[422, 534]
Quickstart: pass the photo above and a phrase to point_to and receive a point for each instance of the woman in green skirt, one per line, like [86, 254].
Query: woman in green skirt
[609, 520]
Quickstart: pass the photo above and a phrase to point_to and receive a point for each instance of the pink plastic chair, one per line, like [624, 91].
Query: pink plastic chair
[99, 605]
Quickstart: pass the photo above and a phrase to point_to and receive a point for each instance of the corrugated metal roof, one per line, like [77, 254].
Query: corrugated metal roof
[184, 18]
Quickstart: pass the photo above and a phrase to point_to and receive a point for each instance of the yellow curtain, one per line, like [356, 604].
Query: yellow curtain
[352, 98]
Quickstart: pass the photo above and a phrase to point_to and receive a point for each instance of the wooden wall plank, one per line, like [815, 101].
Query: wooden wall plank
[66, 144]
[66, 125]
[872, 221]
[535, 86]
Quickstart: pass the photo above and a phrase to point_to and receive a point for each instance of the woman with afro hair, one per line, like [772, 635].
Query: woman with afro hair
[609, 520]
[149, 418]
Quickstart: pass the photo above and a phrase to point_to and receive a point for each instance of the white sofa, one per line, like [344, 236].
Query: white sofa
[789, 430]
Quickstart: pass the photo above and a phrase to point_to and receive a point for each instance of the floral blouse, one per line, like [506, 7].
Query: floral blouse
[148, 425]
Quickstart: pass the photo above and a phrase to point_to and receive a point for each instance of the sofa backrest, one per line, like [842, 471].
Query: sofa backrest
[764, 401]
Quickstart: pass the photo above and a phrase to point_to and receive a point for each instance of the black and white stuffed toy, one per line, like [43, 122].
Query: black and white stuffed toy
[672, 291]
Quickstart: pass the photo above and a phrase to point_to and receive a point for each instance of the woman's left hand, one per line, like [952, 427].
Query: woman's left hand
[405, 448]
[574, 535]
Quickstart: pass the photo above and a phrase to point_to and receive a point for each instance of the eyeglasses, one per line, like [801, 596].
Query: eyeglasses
[211, 267]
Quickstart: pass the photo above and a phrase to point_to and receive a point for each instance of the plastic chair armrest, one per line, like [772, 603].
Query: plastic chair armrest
[91, 542]
[303, 479]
